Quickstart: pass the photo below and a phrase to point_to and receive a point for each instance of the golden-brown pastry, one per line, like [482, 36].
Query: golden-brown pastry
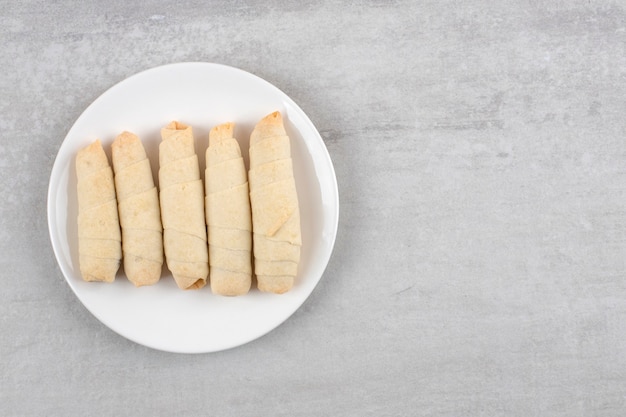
[139, 212]
[228, 215]
[182, 207]
[275, 210]
[99, 237]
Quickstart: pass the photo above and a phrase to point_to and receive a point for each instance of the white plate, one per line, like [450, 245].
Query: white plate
[201, 95]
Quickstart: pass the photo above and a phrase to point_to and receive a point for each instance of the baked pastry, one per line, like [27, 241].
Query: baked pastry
[228, 217]
[182, 207]
[139, 212]
[99, 237]
[275, 211]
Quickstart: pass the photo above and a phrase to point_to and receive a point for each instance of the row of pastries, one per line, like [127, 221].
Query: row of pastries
[224, 230]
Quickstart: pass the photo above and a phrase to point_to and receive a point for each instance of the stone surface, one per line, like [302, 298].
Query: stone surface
[480, 152]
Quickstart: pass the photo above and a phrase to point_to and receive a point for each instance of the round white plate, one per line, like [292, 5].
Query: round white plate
[201, 95]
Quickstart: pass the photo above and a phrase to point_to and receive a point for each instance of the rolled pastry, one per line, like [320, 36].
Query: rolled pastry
[138, 206]
[182, 207]
[275, 211]
[228, 215]
[99, 237]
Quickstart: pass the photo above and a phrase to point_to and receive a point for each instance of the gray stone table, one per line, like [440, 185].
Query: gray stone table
[480, 153]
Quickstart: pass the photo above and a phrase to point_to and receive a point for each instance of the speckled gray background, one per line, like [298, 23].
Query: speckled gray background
[480, 152]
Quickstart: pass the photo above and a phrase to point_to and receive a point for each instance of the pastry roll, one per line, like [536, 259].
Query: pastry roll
[138, 206]
[99, 237]
[275, 210]
[228, 217]
[182, 207]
